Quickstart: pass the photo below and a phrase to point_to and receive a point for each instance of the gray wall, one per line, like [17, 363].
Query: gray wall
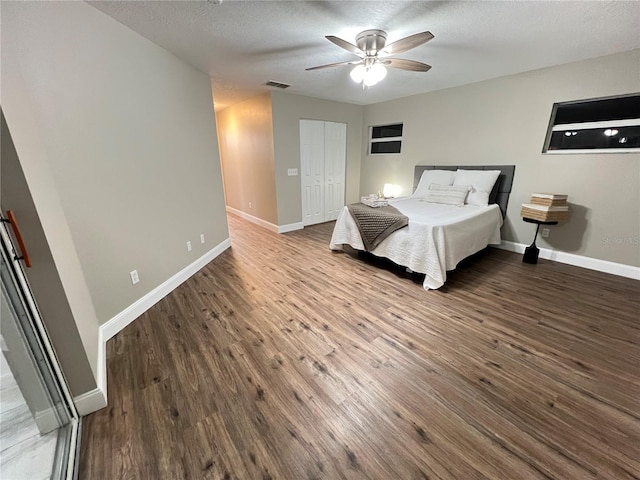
[128, 131]
[504, 121]
[43, 276]
[245, 134]
[27, 147]
[259, 142]
[288, 109]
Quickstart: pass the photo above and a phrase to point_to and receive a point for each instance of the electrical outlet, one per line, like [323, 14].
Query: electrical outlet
[545, 232]
[292, 172]
[202, 238]
[188, 246]
[249, 204]
[134, 277]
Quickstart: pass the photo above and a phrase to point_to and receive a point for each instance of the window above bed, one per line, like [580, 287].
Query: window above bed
[385, 139]
[597, 125]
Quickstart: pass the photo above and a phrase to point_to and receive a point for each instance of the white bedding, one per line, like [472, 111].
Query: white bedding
[436, 239]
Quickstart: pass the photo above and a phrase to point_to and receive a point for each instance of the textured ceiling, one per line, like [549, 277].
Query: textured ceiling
[243, 44]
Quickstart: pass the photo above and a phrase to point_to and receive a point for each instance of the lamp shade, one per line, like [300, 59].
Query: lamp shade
[358, 73]
[378, 71]
[368, 73]
[374, 74]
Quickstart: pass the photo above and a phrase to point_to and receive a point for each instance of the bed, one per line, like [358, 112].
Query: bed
[438, 235]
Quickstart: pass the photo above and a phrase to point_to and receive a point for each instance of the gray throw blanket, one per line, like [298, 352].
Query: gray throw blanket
[376, 224]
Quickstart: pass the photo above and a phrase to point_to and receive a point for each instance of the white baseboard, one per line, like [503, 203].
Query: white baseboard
[290, 227]
[91, 401]
[102, 364]
[133, 311]
[46, 420]
[252, 219]
[97, 398]
[264, 224]
[577, 260]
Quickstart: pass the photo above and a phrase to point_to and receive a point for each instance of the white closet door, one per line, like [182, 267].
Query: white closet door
[312, 155]
[335, 152]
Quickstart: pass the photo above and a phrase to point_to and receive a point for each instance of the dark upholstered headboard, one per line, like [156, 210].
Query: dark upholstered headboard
[501, 189]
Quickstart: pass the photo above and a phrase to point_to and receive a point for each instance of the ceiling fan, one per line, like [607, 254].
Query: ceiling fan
[374, 55]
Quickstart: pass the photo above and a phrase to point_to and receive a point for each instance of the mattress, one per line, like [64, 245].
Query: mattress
[437, 238]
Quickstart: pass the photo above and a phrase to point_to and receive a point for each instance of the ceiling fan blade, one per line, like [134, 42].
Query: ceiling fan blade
[403, 64]
[344, 44]
[406, 43]
[334, 65]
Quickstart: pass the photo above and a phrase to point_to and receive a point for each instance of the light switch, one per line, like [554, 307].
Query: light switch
[292, 172]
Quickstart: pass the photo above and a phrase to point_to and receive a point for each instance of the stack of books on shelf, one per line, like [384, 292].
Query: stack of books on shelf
[546, 207]
[374, 202]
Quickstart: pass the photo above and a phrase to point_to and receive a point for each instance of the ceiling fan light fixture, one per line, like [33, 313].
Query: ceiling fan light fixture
[358, 73]
[377, 72]
[368, 74]
[370, 47]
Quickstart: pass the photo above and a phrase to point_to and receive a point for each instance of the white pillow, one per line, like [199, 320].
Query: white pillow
[441, 177]
[482, 182]
[447, 194]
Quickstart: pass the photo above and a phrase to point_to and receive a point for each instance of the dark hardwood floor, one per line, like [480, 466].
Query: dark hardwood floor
[284, 360]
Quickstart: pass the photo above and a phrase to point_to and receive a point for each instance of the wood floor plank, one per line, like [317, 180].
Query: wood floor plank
[484, 416]
[284, 360]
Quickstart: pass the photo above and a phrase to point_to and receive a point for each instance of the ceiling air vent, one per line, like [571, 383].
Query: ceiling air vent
[271, 83]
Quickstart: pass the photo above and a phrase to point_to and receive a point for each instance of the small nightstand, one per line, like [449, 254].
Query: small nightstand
[531, 252]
